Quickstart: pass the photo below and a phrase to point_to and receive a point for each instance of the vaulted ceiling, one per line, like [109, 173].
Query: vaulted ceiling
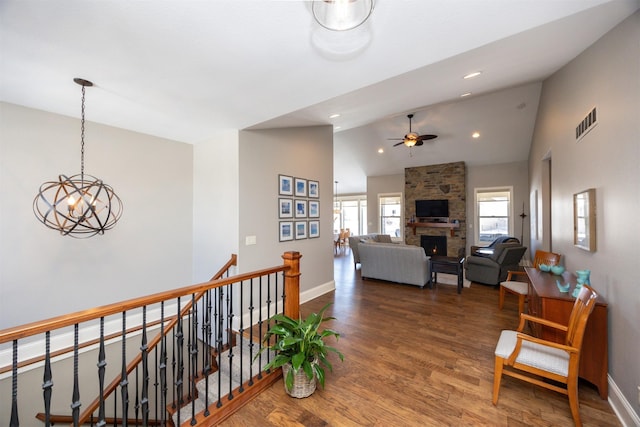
[185, 69]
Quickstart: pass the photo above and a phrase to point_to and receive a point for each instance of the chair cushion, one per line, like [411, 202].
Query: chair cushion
[521, 288]
[533, 354]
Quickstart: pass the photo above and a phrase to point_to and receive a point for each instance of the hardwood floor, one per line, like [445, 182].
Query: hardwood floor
[417, 357]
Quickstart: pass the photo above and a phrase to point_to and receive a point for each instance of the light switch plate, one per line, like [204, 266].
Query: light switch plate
[250, 240]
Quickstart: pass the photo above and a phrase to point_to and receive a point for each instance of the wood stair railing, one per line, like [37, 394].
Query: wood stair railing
[217, 316]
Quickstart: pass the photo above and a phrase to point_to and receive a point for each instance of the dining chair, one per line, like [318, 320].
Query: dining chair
[521, 288]
[537, 361]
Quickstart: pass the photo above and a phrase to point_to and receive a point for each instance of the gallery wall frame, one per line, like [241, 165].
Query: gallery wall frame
[285, 208]
[300, 187]
[314, 209]
[314, 189]
[285, 185]
[301, 230]
[300, 208]
[314, 229]
[286, 230]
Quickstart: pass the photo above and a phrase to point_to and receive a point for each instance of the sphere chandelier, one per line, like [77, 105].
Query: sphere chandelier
[81, 205]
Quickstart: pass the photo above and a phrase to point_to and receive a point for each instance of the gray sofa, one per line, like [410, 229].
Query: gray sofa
[354, 241]
[493, 268]
[395, 263]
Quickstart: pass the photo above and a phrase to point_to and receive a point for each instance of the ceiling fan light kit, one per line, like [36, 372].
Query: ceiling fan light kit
[341, 15]
[413, 139]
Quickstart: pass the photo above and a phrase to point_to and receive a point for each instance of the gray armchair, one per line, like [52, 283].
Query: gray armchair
[493, 269]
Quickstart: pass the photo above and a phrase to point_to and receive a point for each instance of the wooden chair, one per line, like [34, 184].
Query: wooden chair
[532, 359]
[521, 288]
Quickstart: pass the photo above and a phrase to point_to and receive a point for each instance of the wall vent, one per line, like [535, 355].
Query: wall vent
[588, 123]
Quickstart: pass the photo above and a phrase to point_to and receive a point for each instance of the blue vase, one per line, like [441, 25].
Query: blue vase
[583, 277]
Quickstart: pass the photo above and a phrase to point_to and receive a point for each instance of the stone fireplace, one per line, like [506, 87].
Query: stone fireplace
[434, 245]
[437, 182]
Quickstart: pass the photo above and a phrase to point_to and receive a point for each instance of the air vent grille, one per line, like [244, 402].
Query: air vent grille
[588, 123]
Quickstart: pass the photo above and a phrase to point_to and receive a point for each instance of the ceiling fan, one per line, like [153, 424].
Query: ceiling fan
[412, 138]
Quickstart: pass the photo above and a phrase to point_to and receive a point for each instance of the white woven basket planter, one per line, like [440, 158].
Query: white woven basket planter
[302, 386]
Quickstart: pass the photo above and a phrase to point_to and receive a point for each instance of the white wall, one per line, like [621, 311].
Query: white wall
[43, 274]
[606, 76]
[215, 203]
[304, 152]
[377, 185]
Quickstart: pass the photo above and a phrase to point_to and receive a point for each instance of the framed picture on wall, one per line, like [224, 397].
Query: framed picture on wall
[285, 208]
[301, 229]
[286, 230]
[285, 185]
[314, 229]
[314, 189]
[300, 187]
[314, 209]
[301, 208]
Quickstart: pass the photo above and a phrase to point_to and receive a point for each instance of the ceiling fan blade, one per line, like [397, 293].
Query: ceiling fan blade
[419, 143]
[427, 137]
[399, 143]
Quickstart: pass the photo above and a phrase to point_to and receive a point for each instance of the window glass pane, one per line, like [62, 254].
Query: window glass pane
[493, 210]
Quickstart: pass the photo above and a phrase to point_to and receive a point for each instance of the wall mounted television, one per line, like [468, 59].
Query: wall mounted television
[432, 209]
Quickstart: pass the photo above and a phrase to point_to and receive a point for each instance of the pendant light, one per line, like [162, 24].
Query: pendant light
[341, 15]
[79, 206]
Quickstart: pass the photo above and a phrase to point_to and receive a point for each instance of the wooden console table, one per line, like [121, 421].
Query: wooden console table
[546, 301]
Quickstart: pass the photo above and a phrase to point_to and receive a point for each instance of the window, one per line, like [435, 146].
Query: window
[391, 214]
[350, 212]
[493, 213]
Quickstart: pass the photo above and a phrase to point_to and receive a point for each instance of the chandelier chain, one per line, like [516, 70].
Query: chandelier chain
[82, 138]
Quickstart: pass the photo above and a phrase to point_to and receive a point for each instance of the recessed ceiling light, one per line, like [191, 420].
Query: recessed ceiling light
[380, 150]
[472, 75]
[333, 116]
[475, 135]
[465, 94]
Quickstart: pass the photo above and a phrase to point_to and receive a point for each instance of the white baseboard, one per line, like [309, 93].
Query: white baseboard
[621, 406]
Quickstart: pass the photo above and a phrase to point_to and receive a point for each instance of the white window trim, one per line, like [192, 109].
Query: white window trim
[396, 194]
[476, 217]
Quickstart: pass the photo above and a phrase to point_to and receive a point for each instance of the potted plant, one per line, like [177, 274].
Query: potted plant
[300, 351]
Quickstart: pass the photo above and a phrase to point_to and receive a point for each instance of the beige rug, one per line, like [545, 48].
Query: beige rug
[452, 279]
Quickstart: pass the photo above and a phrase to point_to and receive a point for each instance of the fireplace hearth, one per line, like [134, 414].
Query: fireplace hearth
[434, 245]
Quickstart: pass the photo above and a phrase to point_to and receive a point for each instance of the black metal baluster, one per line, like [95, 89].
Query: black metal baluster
[102, 364]
[124, 382]
[163, 369]
[187, 355]
[179, 363]
[241, 333]
[219, 342]
[75, 399]
[156, 383]
[251, 308]
[260, 327]
[144, 402]
[14, 422]
[136, 403]
[229, 337]
[206, 354]
[194, 358]
[47, 383]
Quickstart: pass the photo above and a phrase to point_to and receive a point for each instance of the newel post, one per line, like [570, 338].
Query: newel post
[292, 284]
